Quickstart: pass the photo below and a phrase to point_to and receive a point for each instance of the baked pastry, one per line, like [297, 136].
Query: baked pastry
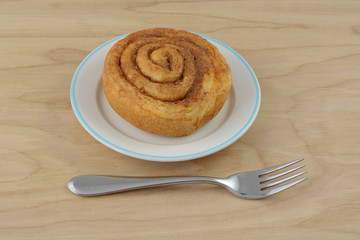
[166, 81]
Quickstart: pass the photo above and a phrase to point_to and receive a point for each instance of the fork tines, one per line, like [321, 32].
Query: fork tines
[266, 183]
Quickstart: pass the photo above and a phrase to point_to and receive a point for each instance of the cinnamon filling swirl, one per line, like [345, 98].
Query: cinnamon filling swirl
[166, 81]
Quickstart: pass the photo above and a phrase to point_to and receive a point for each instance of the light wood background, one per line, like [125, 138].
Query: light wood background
[306, 55]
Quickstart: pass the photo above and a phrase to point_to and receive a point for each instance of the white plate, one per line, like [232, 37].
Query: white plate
[97, 117]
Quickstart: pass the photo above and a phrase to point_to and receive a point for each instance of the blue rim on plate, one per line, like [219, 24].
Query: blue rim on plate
[150, 157]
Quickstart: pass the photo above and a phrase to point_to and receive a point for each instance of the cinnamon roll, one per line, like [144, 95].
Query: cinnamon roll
[166, 81]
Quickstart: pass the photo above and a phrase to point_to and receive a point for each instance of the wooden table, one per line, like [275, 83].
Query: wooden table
[306, 55]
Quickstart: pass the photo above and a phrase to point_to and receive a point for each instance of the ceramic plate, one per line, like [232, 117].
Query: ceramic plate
[97, 117]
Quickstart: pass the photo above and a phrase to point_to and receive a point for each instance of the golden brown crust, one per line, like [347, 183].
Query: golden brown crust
[165, 81]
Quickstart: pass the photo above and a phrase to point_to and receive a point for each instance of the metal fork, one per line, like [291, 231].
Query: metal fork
[250, 185]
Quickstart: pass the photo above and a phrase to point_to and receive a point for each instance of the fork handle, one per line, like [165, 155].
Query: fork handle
[93, 185]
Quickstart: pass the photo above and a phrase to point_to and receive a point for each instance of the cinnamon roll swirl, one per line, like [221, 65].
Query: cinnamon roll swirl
[166, 81]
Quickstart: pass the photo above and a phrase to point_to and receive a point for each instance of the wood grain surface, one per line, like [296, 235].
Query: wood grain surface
[306, 55]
